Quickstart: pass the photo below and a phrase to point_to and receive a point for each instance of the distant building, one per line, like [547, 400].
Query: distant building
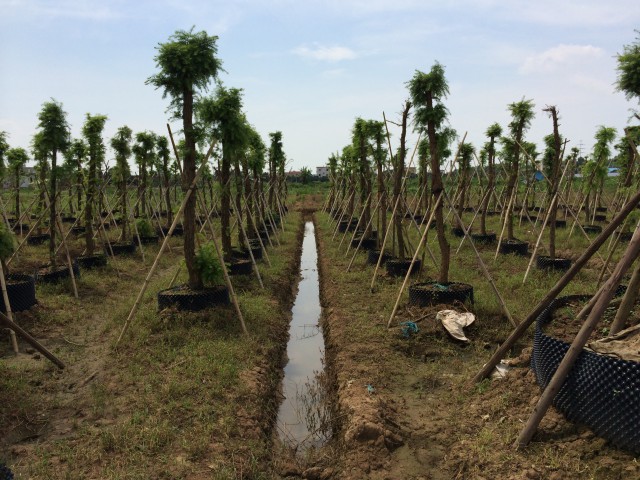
[322, 172]
[293, 174]
[26, 178]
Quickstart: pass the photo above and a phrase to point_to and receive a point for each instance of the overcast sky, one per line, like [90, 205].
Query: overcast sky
[309, 68]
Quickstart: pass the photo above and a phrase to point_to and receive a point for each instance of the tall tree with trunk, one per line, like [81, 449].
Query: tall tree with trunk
[552, 163]
[398, 176]
[144, 151]
[76, 156]
[121, 145]
[164, 158]
[222, 116]
[52, 124]
[377, 135]
[187, 64]
[493, 132]
[40, 155]
[521, 116]
[628, 68]
[4, 146]
[277, 162]
[360, 138]
[17, 158]
[256, 162]
[92, 132]
[428, 90]
[464, 175]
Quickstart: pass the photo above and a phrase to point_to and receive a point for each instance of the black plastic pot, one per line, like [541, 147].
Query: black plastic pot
[240, 266]
[183, 298]
[92, 261]
[399, 268]
[457, 232]
[147, 240]
[625, 236]
[77, 230]
[514, 246]
[424, 294]
[367, 243]
[120, 248]
[601, 209]
[38, 239]
[347, 225]
[244, 252]
[595, 229]
[544, 262]
[17, 227]
[488, 239]
[492, 213]
[177, 232]
[600, 218]
[21, 290]
[561, 224]
[372, 257]
[61, 272]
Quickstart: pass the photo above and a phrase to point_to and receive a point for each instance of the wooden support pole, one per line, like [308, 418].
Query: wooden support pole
[7, 306]
[486, 370]
[8, 323]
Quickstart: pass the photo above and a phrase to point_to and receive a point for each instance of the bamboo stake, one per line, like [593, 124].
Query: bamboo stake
[8, 323]
[7, 306]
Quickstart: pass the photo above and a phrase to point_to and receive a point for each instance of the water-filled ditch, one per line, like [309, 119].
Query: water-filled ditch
[304, 419]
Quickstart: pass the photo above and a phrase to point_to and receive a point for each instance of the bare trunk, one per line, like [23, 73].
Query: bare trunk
[188, 174]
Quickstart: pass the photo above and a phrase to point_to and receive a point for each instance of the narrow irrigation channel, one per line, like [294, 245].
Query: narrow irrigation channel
[304, 419]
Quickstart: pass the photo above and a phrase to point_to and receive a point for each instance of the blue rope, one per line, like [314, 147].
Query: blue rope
[409, 328]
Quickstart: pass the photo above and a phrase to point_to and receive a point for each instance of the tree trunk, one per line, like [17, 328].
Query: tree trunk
[188, 174]
[90, 202]
[397, 181]
[52, 210]
[225, 200]
[436, 188]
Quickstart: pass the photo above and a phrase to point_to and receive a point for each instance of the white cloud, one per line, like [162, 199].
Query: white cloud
[558, 57]
[326, 54]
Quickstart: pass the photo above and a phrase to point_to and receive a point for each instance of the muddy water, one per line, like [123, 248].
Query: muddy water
[303, 418]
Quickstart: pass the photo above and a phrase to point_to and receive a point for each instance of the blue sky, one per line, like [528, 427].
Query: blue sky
[309, 68]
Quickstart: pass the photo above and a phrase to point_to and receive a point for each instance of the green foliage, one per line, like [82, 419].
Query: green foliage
[276, 152]
[7, 242]
[187, 63]
[426, 88]
[604, 138]
[521, 116]
[305, 175]
[4, 146]
[592, 171]
[222, 117]
[53, 127]
[465, 155]
[92, 132]
[208, 264]
[144, 149]
[628, 68]
[257, 149]
[16, 159]
[121, 144]
[145, 229]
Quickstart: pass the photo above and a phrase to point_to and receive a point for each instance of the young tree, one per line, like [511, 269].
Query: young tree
[628, 68]
[76, 156]
[493, 132]
[376, 133]
[521, 116]
[121, 144]
[144, 151]
[164, 156]
[277, 161]
[223, 116]
[4, 146]
[360, 139]
[464, 175]
[17, 159]
[92, 132]
[552, 164]
[257, 160]
[428, 90]
[187, 64]
[55, 138]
